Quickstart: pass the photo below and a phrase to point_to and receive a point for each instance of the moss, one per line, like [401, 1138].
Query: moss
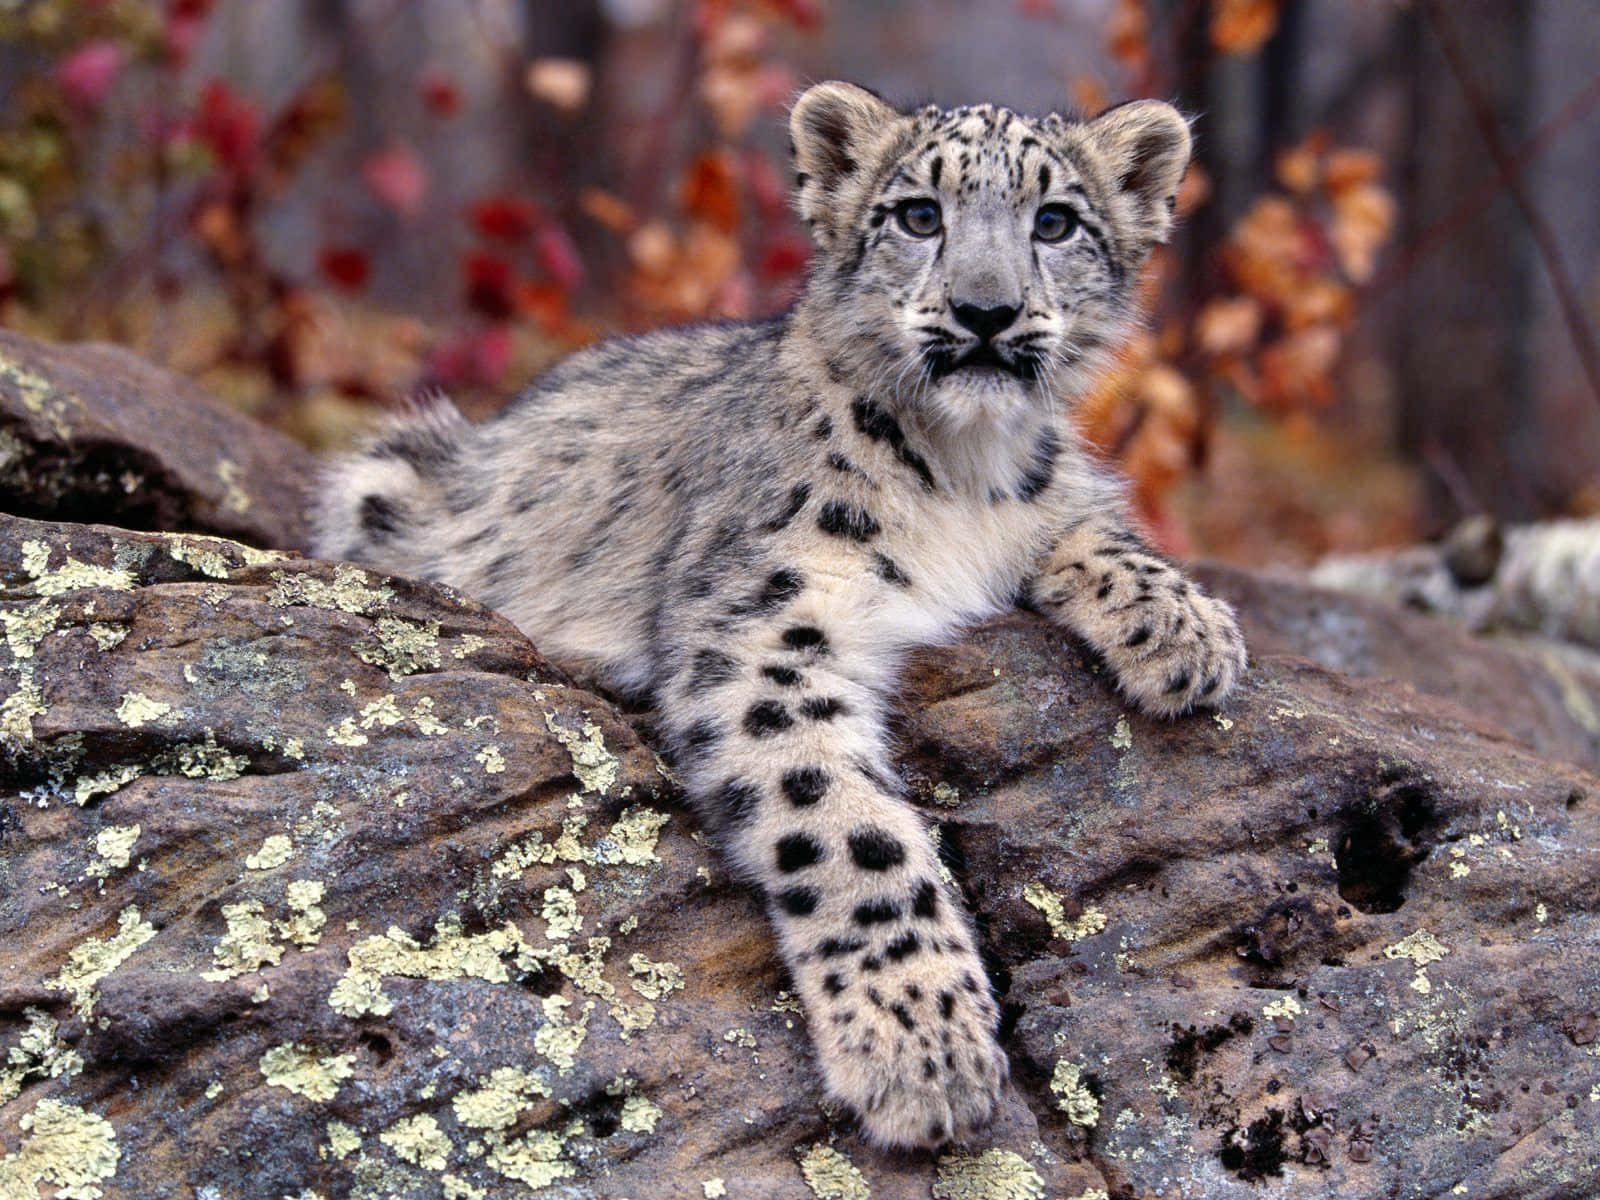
[92, 960]
[65, 1147]
[992, 1175]
[302, 1071]
[832, 1176]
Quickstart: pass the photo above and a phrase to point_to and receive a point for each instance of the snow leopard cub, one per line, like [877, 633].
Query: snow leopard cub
[755, 522]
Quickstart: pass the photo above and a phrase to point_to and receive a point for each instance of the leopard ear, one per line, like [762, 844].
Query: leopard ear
[833, 127]
[1145, 145]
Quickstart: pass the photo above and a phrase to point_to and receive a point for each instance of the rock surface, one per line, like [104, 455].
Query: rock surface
[94, 433]
[316, 883]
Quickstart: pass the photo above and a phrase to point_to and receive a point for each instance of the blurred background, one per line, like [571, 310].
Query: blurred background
[1379, 317]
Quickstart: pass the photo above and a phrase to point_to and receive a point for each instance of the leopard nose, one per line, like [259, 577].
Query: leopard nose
[985, 322]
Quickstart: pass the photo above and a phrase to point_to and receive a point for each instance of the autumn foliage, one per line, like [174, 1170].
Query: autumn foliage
[198, 169]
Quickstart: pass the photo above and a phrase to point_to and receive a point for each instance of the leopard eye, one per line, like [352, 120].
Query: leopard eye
[1054, 223]
[919, 218]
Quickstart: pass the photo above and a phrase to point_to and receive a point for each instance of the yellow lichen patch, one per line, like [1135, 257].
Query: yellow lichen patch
[113, 848]
[946, 795]
[653, 980]
[992, 1175]
[137, 709]
[63, 1147]
[106, 636]
[342, 1141]
[247, 946]
[422, 716]
[302, 1071]
[1122, 735]
[632, 1018]
[457, 1188]
[1420, 947]
[419, 1141]
[72, 575]
[560, 913]
[382, 711]
[197, 554]
[639, 1115]
[345, 733]
[234, 498]
[93, 960]
[499, 1099]
[832, 1176]
[351, 591]
[452, 956]
[106, 782]
[40, 397]
[274, 852]
[18, 710]
[559, 1040]
[1088, 922]
[534, 1159]
[1286, 1008]
[304, 924]
[714, 1188]
[403, 647]
[25, 627]
[493, 761]
[204, 760]
[38, 1054]
[1073, 1096]
[632, 839]
[470, 643]
[596, 767]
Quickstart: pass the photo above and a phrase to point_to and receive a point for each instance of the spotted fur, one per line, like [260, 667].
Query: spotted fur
[753, 523]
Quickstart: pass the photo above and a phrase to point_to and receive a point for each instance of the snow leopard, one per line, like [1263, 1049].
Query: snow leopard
[753, 523]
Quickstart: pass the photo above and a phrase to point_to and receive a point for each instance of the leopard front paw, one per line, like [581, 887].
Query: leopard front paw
[1174, 647]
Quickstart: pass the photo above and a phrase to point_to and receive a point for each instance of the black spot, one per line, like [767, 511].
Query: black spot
[935, 169]
[710, 668]
[1044, 178]
[804, 786]
[903, 1015]
[805, 637]
[874, 849]
[699, 739]
[840, 463]
[876, 912]
[929, 1068]
[782, 676]
[947, 1005]
[926, 902]
[835, 947]
[800, 901]
[767, 717]
[1178, 683]
[889, 571]
[823, 708]
[499, 568]
[824, 429]
[872, 963]
[380, 517]
[736, 801]
[914, 993]
[877, 423]
[1138, 637]
[781, 587]
[903, 946]
[842, 519]
[832, 984]
[1042, 469]
[796, 851]
[797, 500]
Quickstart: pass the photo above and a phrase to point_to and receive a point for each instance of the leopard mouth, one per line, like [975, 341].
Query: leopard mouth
[981, 359]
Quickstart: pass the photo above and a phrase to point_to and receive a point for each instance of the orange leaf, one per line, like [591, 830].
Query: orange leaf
[710, 191]
[1242, 26]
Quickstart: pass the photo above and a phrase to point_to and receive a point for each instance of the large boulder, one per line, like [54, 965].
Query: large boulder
[320, 883]
[92, 432]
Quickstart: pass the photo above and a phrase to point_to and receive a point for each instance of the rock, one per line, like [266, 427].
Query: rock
[94, 433]
[323, 883]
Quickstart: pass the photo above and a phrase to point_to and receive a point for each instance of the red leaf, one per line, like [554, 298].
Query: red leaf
[440, 95]
[509, 218]
[229, 124]
[398, 178]
[555, 252]
[178, 38]
[784, 257]
[490, 287]
[86, 75]
[710, 192]
[806, 14]
[474, 359]
[765, 184]
[345, 266]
